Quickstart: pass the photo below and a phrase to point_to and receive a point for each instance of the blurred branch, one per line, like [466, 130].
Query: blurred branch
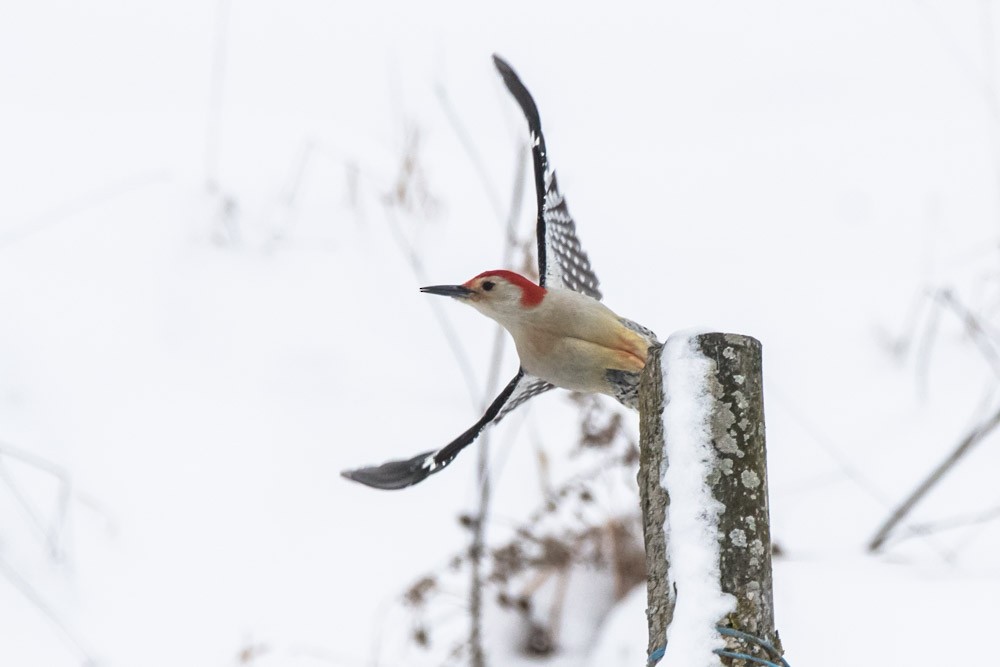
[32, 596]
[470, 150]
[982, 78]
[493, 380]
[80, 204]
[483, 465]
[417, 266]
[575, 524]
[953, 523]
[818, 436]
[251, 652]
[214, 123]
[973, 438]
[974, 328]
[51, 534]
[409, 188]
[926, 345]
[298, 171]
[410, 191]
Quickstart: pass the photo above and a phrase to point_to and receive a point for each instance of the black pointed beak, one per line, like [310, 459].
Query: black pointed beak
[456, 291]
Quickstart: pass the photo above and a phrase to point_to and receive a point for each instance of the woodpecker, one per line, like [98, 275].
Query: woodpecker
[565, 337]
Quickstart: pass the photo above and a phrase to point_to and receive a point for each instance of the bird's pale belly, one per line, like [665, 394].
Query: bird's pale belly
[575, 364]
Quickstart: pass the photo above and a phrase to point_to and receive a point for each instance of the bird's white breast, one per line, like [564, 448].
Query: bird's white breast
[572, 340]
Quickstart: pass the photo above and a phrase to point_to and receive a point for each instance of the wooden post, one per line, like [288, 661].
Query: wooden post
[653, 500]
[739, 482]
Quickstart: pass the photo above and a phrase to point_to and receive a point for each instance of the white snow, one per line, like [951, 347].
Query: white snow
[622, 641]
[693, 514]
[801, 172]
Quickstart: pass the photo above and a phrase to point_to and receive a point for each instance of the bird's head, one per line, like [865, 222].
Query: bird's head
[497, 294]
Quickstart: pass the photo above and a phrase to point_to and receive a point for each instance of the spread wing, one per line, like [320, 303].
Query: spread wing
[562, 261]
[407, 472]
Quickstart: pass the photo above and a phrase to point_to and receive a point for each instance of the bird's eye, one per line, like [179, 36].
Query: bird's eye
[488, 285]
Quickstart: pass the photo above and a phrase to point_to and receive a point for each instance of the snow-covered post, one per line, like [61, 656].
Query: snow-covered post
[703, 482]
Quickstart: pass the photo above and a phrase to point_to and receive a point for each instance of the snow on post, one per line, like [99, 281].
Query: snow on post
[705, 512]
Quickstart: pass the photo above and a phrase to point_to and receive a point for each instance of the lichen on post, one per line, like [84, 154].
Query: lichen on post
[730, 403]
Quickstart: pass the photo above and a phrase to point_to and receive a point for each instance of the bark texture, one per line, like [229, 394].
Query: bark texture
[739, 482]
[654, 500]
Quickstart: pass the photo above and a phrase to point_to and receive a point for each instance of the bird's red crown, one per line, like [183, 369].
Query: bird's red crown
[531, 294]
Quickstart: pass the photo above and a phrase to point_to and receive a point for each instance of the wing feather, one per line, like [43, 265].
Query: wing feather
[562, 262]
[407, 472]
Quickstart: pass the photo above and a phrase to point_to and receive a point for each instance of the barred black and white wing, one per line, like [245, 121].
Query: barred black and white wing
[527, 388]
[562, 261]
[407, 472]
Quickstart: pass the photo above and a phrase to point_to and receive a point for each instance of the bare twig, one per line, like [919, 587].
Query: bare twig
[251, 652]
[952, 523]
[52, 533]
[483, 467]
[984, 78]
[499, 343]
[973, 438]
[990, 81]
[30, 594]
[546, 544]
[82, 203]
[975, 329]
[298, 171]
[214, 124]
[818, 436]
[454, 340]
[925, 345]
[470, 150]
[33, 516]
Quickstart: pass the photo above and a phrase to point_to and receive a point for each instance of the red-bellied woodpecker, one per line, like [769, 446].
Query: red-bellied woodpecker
[565, 337]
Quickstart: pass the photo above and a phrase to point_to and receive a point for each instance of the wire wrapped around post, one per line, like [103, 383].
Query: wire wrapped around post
[738, 480]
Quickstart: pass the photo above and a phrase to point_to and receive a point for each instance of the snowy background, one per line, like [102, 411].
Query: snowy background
[214, 218]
